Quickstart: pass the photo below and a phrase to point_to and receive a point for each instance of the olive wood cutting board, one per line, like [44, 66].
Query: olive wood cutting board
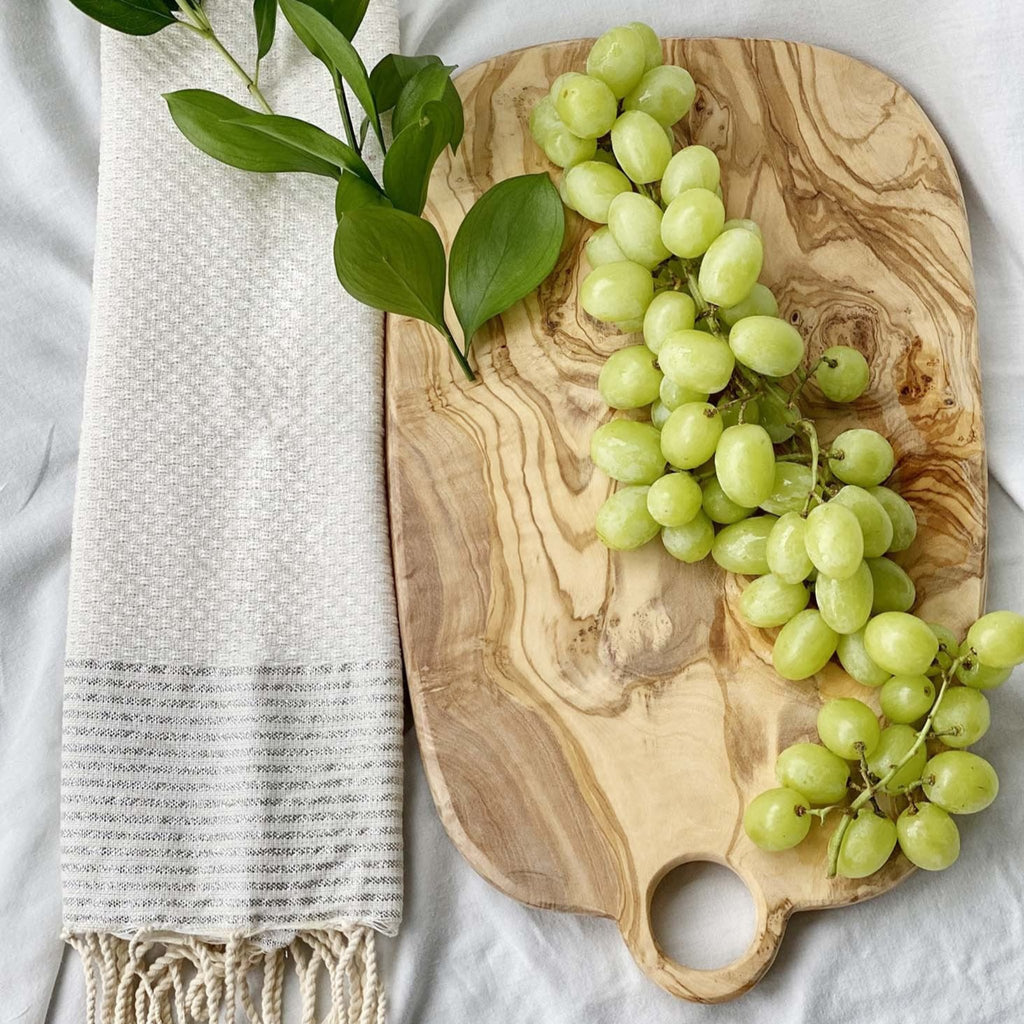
[589, 720]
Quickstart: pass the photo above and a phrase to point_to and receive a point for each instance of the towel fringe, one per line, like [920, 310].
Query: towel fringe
[155, 979]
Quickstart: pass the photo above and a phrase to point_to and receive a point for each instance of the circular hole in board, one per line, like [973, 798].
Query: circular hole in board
[703, 915]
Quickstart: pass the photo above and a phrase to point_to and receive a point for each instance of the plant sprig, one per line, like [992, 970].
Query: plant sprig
[386, 255]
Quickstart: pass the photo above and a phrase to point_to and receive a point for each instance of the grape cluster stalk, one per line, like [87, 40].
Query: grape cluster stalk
[727, 465]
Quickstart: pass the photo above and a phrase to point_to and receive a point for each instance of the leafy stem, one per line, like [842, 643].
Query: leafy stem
[346, 114]
[195, 19]
[872, 788]
[458, 353]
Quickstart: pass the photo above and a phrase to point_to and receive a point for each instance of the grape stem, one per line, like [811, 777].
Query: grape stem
[802, 377]
[868, 794]
[807, 427]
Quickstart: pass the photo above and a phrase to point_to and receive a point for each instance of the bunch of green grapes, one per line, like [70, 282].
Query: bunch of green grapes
[899, 783]
[726, 464]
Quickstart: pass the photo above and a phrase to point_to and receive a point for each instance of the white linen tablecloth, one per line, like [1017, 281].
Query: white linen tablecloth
[939, 948]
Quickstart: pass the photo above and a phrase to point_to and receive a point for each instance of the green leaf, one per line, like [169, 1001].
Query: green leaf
[393, 261]
[354, 193]
[390, 75]
[302, 135]
[431, 84]
[228, 132]
[411, 158]
[506, 245]
[345, 15]
[328, 44]
[264, 13]
[135, 17]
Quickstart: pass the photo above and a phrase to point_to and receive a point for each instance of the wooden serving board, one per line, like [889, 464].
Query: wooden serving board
[590, 720]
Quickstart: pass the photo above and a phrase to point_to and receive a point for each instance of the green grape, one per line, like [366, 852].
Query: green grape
[601, 247]
[544, 120]
[848, 727]
[617, 291]
[861, 457]
[767, 345]
[585, 105]
[674, 499]
[696, 360]
[618, 59]
[563, 193]
[972, 672]
[960, 782]
[845, 604]
[834, 542]
[691, 167]
[778, 418]
[635, 224]
[901, 515]
[894, 744]
[652, 44]
[900, 643]
[690, 542]
[905, 699]
[759, 300]
[560, 146]
[675, 395]
[777, 819]
[928, 837]
[894, 589]
[813, 770]
[719, 507]
[786, 550]
[623, 522]
[730, 409]
[869, 840]
[962, 718]
[628, 451]
[659, 413]
[740, 546]
[857, 662]
[998, 639]
[692, 221]
[566, 150]
[949, 646]
[640, 146]
[875, 524]
[592, 185]
[747, 225]
[768, 601]
[745, 464]
[847, 379]
[691, 434]
[804, 644]
[790, 487]
[730, 267]
[630, 378]
[665, 92]
[669, 311]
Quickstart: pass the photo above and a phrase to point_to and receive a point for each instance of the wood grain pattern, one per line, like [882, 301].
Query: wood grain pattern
[590, 720]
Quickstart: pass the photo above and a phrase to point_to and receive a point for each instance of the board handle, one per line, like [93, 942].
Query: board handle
[703, 986]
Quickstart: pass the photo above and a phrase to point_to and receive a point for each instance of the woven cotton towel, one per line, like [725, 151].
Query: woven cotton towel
[233, 708]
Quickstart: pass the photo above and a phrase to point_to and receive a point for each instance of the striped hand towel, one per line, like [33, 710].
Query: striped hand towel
[233, 702]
